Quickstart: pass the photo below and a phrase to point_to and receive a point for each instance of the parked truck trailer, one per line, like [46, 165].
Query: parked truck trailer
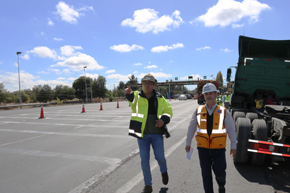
[260, 100]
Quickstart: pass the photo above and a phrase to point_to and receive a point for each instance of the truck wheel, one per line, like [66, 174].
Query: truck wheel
[260, 132]
[243, 127]
[238, 114]
[252, 116]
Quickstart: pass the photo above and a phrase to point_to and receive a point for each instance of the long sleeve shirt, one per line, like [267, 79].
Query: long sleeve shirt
[228, 123]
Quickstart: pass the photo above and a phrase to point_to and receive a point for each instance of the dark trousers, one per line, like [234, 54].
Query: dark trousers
[212, 159]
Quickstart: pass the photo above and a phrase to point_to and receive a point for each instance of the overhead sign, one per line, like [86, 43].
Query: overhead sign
[204, 77]
[176, 78]
[189, 77]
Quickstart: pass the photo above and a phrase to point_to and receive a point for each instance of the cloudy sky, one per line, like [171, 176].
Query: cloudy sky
[117, 38]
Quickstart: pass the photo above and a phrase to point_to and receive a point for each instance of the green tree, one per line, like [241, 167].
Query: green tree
[121, 85]
[99, 87]
[132, 81]
[219, 77]
[64, 92]
[43, 93]
[80, 88]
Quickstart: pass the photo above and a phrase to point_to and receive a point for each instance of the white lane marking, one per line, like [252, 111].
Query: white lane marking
[102, 175]
[61, 124]
[111, 161]
[63, 134]
[66, 119]
[136, 179]
[95, 180]
[19, 141]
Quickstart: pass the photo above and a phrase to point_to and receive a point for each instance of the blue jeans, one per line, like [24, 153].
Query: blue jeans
[212, 159]
[156, 140]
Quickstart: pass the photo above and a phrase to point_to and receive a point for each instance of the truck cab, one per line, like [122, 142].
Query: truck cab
[260, 99]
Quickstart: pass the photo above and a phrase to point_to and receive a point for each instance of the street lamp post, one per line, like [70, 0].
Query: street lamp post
[19, 78]
[86, 84]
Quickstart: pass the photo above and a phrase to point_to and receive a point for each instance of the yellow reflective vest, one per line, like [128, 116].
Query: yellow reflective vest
[218, 137]
[139, 115]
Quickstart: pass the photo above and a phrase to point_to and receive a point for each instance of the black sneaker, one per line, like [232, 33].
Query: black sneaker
[147, 189]
[222, 189]
[165, 178]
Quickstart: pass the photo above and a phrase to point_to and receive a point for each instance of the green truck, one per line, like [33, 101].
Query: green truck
[260, 100]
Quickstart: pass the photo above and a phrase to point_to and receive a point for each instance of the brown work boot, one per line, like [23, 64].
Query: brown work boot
[147, 189]
[165, 178]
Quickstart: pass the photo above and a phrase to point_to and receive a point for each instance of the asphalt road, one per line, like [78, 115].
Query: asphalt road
[73, 152]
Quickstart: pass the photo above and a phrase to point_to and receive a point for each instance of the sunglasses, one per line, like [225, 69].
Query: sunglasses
[148, 83]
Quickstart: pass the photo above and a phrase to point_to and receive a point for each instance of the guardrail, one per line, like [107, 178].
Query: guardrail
[31, 104]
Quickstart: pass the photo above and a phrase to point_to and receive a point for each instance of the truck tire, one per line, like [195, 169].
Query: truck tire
[243, 127]
[238, 114]
[252, 116]
[260, 132]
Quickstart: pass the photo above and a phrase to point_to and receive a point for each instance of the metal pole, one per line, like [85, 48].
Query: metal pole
[19, 79]
[91, 93]
[86, 84]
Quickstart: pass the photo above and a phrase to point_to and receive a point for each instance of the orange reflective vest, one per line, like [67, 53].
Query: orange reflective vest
[218, 137]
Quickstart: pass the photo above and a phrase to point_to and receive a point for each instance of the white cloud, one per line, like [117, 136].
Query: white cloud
[203, 48]
[57, 71]
[58, 39]
[146, 20]
[43, 51]
[119, 77]
[69, 50]
[135, 72]
[50, 22]
[60, 78]
[152, 66]
[156, 75]
[137, 64]
[110, 71]
[78, 61]
[43, 72]
[126, 48]
[226, 12]
[26, 57]
[93, 76]
[68, 13]
[226, 50]
[237, 25]
[159, 49]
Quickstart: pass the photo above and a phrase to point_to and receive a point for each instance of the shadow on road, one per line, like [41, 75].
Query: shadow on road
[163, 190]
[276, 174]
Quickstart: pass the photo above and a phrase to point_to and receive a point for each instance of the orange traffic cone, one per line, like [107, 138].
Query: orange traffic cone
[117, 103]
[83, 110]
[101, 107]
[41, 113]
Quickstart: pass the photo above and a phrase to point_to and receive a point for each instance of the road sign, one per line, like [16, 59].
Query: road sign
[204, 77]
[176, 78]
[189, 77]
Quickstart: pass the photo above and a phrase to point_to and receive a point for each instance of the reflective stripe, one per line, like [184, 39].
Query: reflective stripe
[137, 115]
[203, 120]
[198, 116]
[166, 115]
[222, 115]
[219, 131]
[246, 60]
[202, 130]
[132, 131]
[287, 60]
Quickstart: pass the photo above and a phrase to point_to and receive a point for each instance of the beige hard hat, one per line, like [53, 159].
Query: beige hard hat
[209, 87]
[149, 77]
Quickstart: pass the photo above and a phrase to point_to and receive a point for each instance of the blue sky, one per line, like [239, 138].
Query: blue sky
[117, 38]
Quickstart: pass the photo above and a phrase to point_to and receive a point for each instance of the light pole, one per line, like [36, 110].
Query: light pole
[19, 78]
[86, 83]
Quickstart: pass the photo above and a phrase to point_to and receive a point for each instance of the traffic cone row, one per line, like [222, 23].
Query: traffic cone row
[83, 109]
[41, 113]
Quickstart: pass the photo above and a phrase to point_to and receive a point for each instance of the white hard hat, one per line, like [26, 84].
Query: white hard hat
[209, 87]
